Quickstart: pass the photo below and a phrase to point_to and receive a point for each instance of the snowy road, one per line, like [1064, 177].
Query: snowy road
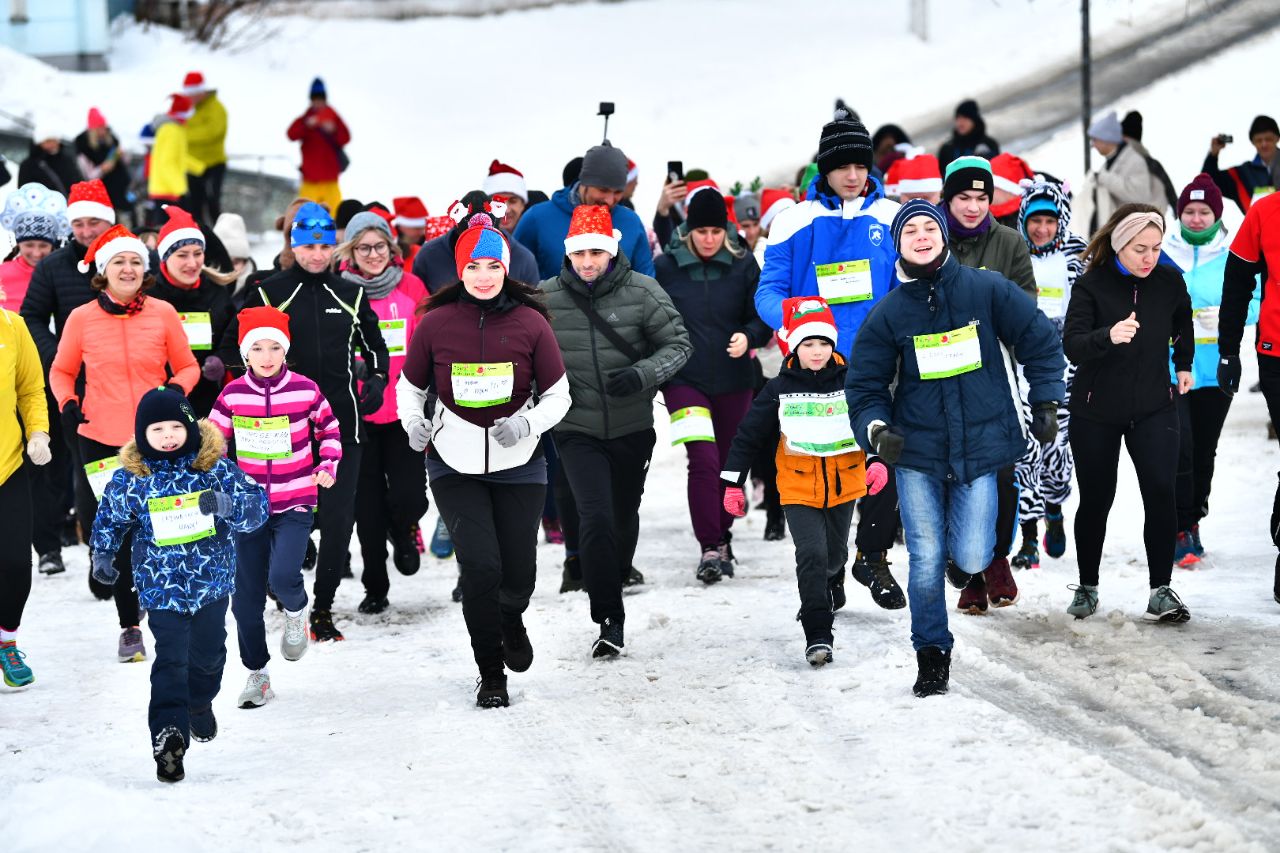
[712, 733]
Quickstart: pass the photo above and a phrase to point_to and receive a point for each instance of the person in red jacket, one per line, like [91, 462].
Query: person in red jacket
[323, 135]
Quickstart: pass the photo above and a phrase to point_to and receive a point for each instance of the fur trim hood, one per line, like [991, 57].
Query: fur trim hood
[212, 448]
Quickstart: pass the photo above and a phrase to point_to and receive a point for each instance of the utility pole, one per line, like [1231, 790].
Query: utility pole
[1086, 82]
[919, 23]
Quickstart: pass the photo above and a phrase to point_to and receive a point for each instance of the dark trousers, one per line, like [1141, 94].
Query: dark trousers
[566, 506]
[15, 548]
[271, 554]
[607, 477]
[49, 491]
[1201, 414]
[391, 496]
[1007, 510]
[126, 597]
[549, 510]
[821, 537]
[878, 518]
[186, 673]
[1269, 378]
[1152, 443]
[205, 194]
[336, 516]
[495, 537]
[707, 458]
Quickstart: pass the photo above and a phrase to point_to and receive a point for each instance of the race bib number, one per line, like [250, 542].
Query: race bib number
[816, 424]
[1205, 323]
[178, 520]
[476, 386]
[1262, 192]
[847, 281]
[692, 423]
[395, 334]
[949, 353]
[263, 438]
[1049, 300]
[199, 329]
[100, 473]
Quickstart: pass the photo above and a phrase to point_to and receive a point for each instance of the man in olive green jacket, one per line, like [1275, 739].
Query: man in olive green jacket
[606, 440]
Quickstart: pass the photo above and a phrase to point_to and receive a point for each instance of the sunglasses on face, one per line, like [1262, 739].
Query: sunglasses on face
[314, 225]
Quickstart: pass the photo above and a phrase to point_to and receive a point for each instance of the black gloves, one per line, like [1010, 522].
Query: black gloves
[624, 382]
[1044, 422]
[72, 417]
[1229, 374]
[371, 394]
[887, 443]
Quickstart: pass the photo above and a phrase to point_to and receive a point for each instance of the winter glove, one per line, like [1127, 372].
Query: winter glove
[213, 369]
[508, 431]
[215, 503]
[371, 394]
[1044, 422]
[887, 443]
[1228, 375]
[877, 477]
[38, 448]
[624, 382]
[419, 435]
[104, 569]
[72, 417]
[735, 501]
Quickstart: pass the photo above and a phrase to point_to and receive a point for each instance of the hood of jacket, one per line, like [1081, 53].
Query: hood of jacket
[680, 253]
[1061, 200]
[831, 374]
[212, 448]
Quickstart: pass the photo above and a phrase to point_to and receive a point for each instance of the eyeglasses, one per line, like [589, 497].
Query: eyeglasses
[314, 225]
[364, 250]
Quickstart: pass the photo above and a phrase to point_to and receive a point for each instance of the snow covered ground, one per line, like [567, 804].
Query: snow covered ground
[712, 733]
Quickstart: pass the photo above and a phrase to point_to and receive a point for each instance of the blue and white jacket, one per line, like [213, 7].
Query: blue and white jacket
[823, 229]
[182, 578]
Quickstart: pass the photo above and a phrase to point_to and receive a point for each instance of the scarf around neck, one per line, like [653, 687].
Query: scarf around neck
[380, 285]
[106, 303]
[956, 229]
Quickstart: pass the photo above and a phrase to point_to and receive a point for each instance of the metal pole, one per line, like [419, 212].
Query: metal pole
[1086, 82]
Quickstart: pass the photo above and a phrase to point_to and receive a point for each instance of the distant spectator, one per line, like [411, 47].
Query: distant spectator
[506, 184]
[100, 157]
[1125, 176]
[968, 137]
[49, 162]
[170, 161]
[207, 144]
[1248, 182]
[323, 135]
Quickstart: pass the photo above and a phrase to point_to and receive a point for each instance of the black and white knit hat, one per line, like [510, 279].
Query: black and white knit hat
[844, 140]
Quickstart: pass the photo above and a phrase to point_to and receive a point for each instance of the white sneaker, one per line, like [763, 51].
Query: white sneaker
[293, 644]
[257, 690]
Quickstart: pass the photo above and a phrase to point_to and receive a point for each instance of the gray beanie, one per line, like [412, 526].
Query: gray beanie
[1106, 128]
[604, 166]
[746, 207]
[368, 219]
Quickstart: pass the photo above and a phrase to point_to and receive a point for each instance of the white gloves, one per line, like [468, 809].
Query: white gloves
[38, 448]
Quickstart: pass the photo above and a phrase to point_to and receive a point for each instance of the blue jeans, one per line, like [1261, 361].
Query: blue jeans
[272, 553]
[190, 652]
[942, 519]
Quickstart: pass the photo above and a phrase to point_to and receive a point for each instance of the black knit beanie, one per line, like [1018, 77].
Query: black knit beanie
[844, 140]
[1263, 124]
[162, 404]
[707, 210]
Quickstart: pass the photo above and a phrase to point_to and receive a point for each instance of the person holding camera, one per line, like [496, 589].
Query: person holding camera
[1250, 181]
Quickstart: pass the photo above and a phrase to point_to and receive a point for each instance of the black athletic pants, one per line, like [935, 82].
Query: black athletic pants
[390, 497]
[1201, 414]
[126, 597]
[15, 548]
[336, 515]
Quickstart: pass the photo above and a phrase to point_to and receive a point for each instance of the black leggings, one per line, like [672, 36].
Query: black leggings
[126, 597]
[1152, 443]
[1202, 413]
[391, 497]
[15, 548]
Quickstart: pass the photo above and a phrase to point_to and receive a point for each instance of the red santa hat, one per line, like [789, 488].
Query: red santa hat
[410, 212]
[807, 317]
[505, 180]
[181, 230]
[1008, 171]
[193, 84]
[90, 199]
[633, 171]
[181, 108]
[262, 324]
[773, 202]
[438, 226]
[915, 172]
[112, 242]
[592, 228]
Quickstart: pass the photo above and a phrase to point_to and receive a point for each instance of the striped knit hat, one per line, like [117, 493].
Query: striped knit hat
[912, 209]
[965, 174]
[844, 140]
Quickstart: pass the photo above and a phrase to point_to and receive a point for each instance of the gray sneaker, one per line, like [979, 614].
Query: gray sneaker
[257, 690]
[1165, 606]
[1085, 602]
[293, 644]
[131, 648]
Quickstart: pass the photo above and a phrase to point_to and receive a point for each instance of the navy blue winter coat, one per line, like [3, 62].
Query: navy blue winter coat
[544, 226]
[962, 427]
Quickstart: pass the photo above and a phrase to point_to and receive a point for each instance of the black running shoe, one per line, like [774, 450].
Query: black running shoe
[322, 627]
[373, 604]
[956, 576]
[204, 725]
[168, 750]
[517, 651]
[491, 690]
[934, 672]
[610, 643]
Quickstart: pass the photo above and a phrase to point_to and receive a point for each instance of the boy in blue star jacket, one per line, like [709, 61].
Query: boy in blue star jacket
[183, 499]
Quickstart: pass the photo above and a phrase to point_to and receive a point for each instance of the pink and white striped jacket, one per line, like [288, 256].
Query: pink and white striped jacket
[292, 395]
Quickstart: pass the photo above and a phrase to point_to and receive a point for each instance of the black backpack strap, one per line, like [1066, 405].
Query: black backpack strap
[599, 322]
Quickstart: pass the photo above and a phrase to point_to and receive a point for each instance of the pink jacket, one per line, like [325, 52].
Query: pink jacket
[15, 276]
[397, 310]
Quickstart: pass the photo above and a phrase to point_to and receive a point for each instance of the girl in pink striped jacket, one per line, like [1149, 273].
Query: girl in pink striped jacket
[270, 416]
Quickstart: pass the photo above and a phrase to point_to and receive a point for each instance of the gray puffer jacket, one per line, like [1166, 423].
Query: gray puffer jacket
[637, 307]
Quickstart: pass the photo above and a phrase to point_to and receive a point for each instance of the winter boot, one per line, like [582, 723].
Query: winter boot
[708, 570]
[13, 664]
[491, 689]
[1165, 606]
[257, 690]
[872, 571]
[517, 651]
[610, 642]
[1084, 603]
[1184, 551]
[441, 541]
[973, 598]
[168, 749]
[204, 725]
[633, 577]
[571, 577]
[819, 644]
[51, 563]
[728, 562]
[775, 524]
[404, 553]
[373, 604]
[835, 586]
[131, 648]
[322, 628]
[1028, 556]
[1055, 534]
[934, 671]
[1001, 588]
[957, 576]
[552, 531]
[293, 642]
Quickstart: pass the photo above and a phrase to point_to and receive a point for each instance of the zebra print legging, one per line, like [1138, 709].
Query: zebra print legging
[1044, 474]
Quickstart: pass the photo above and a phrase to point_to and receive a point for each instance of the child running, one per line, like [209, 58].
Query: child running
[269, 415]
